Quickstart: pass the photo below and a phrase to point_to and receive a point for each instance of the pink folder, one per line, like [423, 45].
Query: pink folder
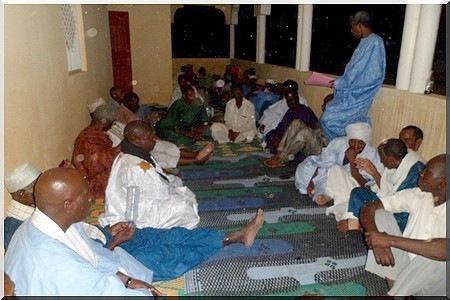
[319, 79]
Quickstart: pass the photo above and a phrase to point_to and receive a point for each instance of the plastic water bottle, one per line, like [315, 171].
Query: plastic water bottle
[131, 211]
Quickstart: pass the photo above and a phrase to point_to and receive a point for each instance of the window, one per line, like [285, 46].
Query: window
[281, 35]
[200, 31]
[245, 33]
[74, 37]
[439, 63]
[332, 43]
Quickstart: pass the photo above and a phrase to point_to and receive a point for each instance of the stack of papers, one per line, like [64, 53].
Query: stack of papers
[319, 79]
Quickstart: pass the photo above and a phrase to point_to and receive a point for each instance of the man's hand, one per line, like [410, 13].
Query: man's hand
[261, 128]
[351, 155]
[137, 284]
[117, 227]
[122, 234]
[232, 135]
[310, 189]
[384, 256]
[366, 165]
[377, 240]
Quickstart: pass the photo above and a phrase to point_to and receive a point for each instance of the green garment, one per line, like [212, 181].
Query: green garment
[183, 117]
[206, 81]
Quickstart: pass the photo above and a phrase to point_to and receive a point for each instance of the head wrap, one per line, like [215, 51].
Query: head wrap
[260, 82]
[359, 131]
[20, 177]
[94, 104]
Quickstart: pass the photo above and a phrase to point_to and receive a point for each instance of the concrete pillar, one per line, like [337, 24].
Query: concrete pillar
[410, 27]
[233, 23]
[298, 48]
[425, 46]
[307, 18]
[261, 11]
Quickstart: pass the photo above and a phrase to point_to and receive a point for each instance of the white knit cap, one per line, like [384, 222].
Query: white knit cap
[94, 104]
[359, 131]
[20, 177]
[270, 81]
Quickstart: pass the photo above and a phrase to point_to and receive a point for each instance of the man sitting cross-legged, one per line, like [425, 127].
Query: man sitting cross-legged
[402, 168]
[299, 139]
[412, 262]
[312, 176]
[169, 253]
[50, 253]
[239, 120]
[164, 202]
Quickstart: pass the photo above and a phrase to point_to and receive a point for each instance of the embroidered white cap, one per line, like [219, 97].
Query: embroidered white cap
[270, 81]
[94, 104]
[20, 177]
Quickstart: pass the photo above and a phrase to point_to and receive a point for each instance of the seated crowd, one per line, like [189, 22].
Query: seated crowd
[388, 191]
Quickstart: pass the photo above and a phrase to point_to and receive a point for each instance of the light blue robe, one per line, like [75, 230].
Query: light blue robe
[41, 265]
[355, 89]
[333, 154]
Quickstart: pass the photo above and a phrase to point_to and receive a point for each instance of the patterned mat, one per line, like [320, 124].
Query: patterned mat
[297, 252]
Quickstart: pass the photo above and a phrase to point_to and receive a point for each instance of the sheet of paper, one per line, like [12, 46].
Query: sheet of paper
[319, 79]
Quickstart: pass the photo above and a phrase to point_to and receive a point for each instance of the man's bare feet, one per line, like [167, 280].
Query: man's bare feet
[322, 199]
[247, 234]
[205, 153]
[348, 225]
[274, 162]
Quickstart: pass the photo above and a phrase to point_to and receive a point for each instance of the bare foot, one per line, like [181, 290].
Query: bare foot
[322, 199]
[205, 152]
[273, 162]
[342, 226]
[247, 234]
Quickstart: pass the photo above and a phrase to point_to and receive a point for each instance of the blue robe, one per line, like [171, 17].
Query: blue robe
[355, 89]
[41, 265]
[169, 253]
[261, 100]
[361, 196]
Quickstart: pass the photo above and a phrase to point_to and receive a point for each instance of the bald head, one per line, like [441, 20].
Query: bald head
[63, 195]
[135, 130]
[433, 180]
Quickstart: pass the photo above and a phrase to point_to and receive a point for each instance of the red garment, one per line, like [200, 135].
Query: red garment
[93, 155]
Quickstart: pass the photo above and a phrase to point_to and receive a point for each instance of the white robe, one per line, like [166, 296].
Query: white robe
[333, 154]
[162, 204]
[240, 120]
[273, 115]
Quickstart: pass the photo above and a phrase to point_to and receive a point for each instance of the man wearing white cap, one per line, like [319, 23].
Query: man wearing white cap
[19, 183]
[312, 176]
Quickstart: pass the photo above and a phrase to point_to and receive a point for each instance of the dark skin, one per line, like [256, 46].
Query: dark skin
[63, 195]
[194, 133]
[232, 135]
[432, 180]
[355, 147]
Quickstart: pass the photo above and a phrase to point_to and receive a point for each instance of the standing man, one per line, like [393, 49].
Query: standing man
[355, 89]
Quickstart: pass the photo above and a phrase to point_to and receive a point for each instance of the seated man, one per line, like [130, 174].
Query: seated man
[299, 139]
[273, 115]
[185, 121]
[412, 262]
[312, 174]
[167, 154]
[117, 98]
[239, 120]
[147, 245]
[263, 97]
[296, 111]
[412, 136]
[401, 171]
[164, 202]
[131, 101]
[177, 92]
[93, 153]
[50, 253]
